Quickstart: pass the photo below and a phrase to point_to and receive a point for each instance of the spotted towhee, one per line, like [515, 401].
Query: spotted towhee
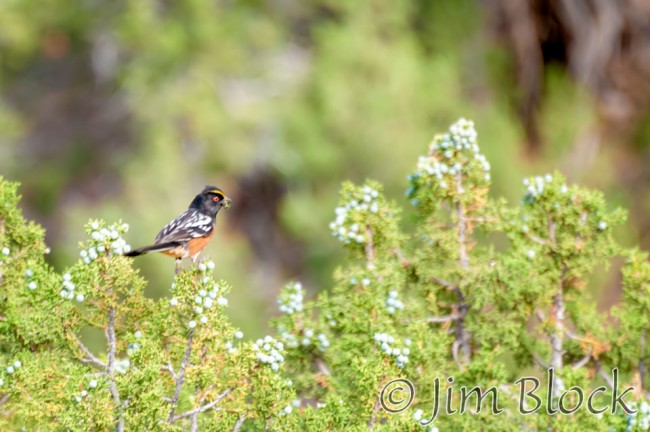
[188, 234]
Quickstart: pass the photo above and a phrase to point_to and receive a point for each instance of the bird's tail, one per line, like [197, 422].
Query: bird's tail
[161, 247]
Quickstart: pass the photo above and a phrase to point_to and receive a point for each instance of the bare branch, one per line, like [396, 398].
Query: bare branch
[405, 261]
[322, 367]
[444, 319]
[572, 335]
[536, 239]
[203, 408]
[642, 345]
[583, 361]
[373, 417]
[169, 368]
[370, 247]
[443, 283]
[539, 361]
[90, 357]
[110, 367]
[603, 375]
[240, 422]
[180, 379]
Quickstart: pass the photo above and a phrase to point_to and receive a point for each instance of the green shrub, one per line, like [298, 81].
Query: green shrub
[449, 306]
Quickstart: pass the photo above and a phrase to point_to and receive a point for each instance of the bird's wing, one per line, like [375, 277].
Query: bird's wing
[188, 225]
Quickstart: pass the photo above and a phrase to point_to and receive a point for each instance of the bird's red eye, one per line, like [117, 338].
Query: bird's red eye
[216, 199]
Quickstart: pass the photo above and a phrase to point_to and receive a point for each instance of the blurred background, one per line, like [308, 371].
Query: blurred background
[125, 109]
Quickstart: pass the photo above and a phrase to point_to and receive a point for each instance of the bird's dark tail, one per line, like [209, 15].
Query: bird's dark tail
[161, 247]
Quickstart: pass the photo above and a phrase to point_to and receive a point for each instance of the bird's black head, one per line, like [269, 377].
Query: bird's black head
[210, 201]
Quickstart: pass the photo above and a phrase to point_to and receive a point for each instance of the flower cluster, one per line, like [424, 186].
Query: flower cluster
[393, 303]
[641, 417]
[31, 284]
[417, 416]
[535, 187]
[122, 365]
[360, 201]
[206, 265]
[288, 338]
[290, 299]
[229, 344]
[11, 369]
[386, 341]
[289, 408]
[92, 384]
[269, 351]
[207, 297]
[105, 241]
[67, 292]
[308, 339]
[134, 346]
[451, 154]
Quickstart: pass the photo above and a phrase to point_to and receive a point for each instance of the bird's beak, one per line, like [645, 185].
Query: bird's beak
[227, 202]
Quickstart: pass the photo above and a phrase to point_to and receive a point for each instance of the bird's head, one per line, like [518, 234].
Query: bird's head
[211, 200]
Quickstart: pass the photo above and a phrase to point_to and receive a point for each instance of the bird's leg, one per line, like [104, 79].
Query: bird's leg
[178, 266]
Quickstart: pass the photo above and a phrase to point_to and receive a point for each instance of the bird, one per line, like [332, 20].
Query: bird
[190, 232]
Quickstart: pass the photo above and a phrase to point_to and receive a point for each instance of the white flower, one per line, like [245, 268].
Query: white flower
[530, 253]
[222, 301]
[92, 384]
[31, 285]
[80, 298]
[602, 225]
[17, 364]
[173, 302]
[191, 324]
[138, 334]
[417, 415]
[287, 409]
[204, 319]
[5, 251]
[239, 334]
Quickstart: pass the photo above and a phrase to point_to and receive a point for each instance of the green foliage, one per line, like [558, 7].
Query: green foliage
[441, 299]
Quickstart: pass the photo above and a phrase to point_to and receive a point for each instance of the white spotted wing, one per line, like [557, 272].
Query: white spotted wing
[188, 225]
